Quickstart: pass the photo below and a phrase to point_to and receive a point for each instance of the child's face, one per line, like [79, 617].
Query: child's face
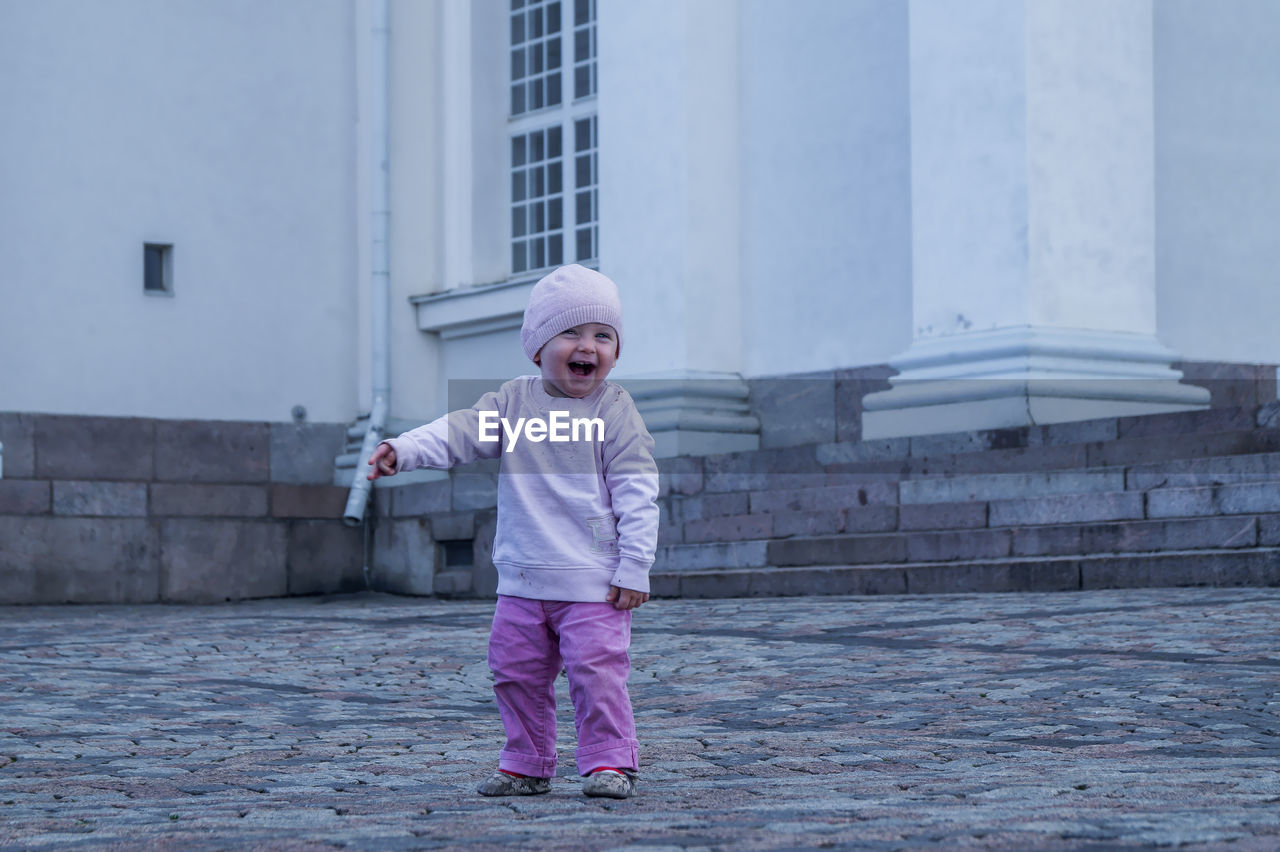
[577, 360]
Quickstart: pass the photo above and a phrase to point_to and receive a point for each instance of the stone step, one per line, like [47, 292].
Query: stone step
[1216, 470]
[956, 545]
[1007, 486]
[1259, 566]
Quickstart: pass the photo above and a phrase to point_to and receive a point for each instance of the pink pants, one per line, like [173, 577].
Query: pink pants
[530, 642]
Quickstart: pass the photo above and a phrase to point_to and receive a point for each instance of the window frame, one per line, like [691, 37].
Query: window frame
[528, 247]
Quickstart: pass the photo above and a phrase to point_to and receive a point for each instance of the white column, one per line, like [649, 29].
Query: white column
[1033, 220]
[669, 228]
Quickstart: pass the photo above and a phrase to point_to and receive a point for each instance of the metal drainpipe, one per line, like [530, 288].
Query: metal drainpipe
[380, 279]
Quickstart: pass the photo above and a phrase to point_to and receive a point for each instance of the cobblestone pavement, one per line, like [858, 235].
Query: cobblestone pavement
[1094, 720]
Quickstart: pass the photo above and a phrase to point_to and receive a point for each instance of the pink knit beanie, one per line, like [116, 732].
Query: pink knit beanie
[569, 296]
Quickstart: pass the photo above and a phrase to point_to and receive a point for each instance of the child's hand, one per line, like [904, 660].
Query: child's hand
[383, 461]
[625, 598]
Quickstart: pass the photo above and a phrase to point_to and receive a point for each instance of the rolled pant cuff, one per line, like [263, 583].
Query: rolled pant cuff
[527, 764]
[624, 754]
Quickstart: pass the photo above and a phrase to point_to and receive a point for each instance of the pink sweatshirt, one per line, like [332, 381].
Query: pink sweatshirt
[576, 512]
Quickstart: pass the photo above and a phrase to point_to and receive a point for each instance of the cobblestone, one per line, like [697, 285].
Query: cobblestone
[1105, 719]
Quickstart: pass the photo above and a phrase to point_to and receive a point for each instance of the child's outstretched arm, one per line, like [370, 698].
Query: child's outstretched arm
[443, 443]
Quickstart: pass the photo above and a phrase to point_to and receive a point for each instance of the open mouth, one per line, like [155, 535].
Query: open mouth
[581, 368]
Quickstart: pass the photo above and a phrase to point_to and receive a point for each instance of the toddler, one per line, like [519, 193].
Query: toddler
[576, 535]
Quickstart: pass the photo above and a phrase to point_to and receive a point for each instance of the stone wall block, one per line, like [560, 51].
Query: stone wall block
[941, 516]
[794, 410]
[100, 499]
[484, 576]
[879, 450]
[1048, 541]
[717, 555]
[1241, 499]
[213, 501]
[1269, 530]
[1077, 432]
[1143, 536]
[303, 453]
[1003, 486]
[212, 451]
[851, 387]
[474, 489]
[18, 434]
[714, 505]
[1158, 448]
[1070, 508]
[324, 557]
[414, 501]
[838, 550]
[47, 560]
[815, 523]
[24, 497]
[680, 475]
[670, 527]
[1204, 422]
[870, 491]
[1016, 460]
[958, 544]
[1049, 575]
[405, 558]
[1231, 385]
[729, 528]
[204, 561]
[308, 501]
[111, 448]
[872, 518]
[453, 526]
[1180, 502]
[1214, 568]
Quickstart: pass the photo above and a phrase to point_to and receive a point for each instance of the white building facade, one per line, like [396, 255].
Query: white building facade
[1032, 210]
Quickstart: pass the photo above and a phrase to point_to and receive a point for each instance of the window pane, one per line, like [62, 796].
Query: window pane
[535, 23]
[517, 222]
[581, 45]
[539, 182]
[535, 142]
[553, 17]
[539, 253]
[581, 12]
[539, 218]
[553, 142]
[517, 99]
[583, 168]
[555, 182]
[554, 218]
[553, 90]
[553, 54]
[517, 29]
[584, 207]
[516, 4]
[517, 151]
[535, 94]
[584, 243]
[518, 257]
[517, 186]
[555, 250]
[582, 134]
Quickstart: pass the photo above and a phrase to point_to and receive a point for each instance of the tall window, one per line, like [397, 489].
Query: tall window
[554, 162]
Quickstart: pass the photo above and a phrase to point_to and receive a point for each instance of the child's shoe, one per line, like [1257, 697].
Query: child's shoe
[610, 783]
[505, 784]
